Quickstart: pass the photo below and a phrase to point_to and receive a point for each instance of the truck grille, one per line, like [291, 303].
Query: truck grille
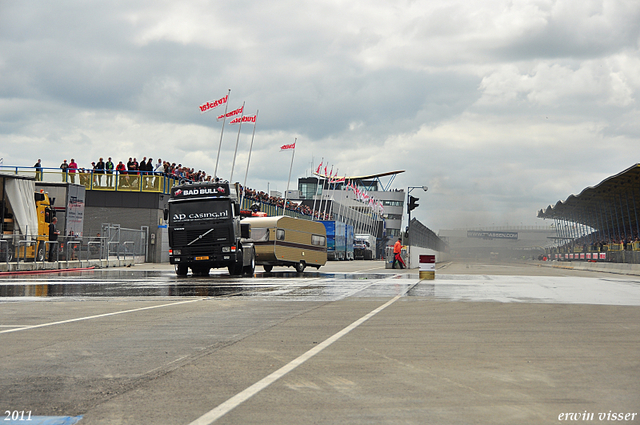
[218, 236]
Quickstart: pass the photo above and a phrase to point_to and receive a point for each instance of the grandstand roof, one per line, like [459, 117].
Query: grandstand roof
[610, 203]
[370, 176]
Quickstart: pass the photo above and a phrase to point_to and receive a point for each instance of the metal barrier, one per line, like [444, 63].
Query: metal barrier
[75, 244]
[134, 241]
[99, 249]
[132, 251]
[73, 251]
[117, 244]
[6, 251]
[26, 243]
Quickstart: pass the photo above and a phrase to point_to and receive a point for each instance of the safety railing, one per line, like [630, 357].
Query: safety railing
[22, 250]
[615, 247]
[138, 181]
[117, 181]
[4, 249]
[69, 251]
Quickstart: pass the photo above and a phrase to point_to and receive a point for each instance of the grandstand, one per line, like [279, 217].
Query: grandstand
[599, 224]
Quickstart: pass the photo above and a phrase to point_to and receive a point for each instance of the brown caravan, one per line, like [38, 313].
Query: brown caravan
[288, 241]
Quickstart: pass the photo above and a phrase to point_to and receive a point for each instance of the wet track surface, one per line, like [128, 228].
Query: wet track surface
[353, 343]
[322, 286]
[124, 283]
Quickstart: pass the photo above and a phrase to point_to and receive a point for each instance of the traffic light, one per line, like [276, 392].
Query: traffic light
[412, 202]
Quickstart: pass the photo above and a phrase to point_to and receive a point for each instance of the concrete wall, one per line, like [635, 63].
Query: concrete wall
[130, 210]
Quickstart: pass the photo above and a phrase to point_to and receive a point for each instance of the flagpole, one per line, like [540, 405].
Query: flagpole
[334, 188]
[233, 164]
[313, 211]
[284, 207]
[215, 172]
[327, 200]
[244, 185]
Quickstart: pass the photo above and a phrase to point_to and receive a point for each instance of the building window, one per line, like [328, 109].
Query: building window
[308, 190]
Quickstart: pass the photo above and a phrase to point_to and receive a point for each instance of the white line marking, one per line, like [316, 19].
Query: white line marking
[224, 408]
[97, 316]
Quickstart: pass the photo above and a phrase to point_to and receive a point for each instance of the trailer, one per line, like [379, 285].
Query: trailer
[288, 241]
[336, 239]
[349, 242]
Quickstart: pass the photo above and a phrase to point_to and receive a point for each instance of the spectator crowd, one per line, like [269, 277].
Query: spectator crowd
[601, 241]
[132, 169]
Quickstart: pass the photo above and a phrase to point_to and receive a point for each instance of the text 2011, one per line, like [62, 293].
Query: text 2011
[17, 415]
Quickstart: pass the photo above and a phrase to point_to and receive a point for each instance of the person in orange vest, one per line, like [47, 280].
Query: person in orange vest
[397, 250]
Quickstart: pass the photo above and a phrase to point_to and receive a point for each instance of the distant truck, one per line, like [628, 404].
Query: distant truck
[26, 214]
[288, 241]
[336, 239]
[349, 241]
[205, 230]
[364, 247]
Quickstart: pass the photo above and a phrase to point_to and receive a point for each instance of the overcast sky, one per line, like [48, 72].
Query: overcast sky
[500, 107]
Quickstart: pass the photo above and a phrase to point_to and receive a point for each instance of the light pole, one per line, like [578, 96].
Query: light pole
[411, 204]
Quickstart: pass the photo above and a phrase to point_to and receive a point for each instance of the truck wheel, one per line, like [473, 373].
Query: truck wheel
[300, 267]
[267, 268]
[251, 268]
[236, 268]
[181, 269]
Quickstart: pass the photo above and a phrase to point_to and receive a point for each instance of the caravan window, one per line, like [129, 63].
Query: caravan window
[317, 240]
[280, 234]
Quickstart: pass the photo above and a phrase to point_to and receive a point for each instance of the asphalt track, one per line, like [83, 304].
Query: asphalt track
[354, 344]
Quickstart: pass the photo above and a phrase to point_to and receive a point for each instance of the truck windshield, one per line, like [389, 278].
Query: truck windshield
[200, 210]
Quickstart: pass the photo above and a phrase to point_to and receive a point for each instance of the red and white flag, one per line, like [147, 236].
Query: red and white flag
[318, 169]
[231, 114]
[207, 106]
[246, 118]
[287, 147]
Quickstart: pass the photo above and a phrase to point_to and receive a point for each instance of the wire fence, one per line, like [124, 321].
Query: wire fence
[114, 243]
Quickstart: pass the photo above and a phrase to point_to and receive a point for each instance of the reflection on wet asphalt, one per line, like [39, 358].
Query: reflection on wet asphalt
[317, 286]
[124, 283]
